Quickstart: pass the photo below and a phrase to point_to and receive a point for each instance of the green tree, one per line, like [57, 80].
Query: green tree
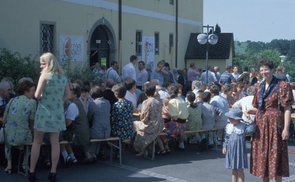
[14, 66]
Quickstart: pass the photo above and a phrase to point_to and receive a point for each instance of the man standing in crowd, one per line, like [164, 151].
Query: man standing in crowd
[211, 76]
[112, 72]
[280, 74]
[226, 77]
[192, 73]
[216, 72]
[236, 73]
[129, 69]
[159, 72]
[245, 76]
[142, 75]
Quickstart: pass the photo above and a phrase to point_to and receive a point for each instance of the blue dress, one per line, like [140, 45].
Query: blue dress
[50, 111]
[235, 144]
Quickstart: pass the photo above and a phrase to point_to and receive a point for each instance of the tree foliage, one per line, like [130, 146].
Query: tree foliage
[14, 66]
[250, 53]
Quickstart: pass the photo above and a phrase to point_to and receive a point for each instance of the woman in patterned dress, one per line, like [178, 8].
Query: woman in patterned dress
[19, 114]
[151, 122]
[272, 107]
[51, 91]
[121, 117]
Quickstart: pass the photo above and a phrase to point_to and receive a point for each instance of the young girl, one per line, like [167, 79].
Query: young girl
[234, 146]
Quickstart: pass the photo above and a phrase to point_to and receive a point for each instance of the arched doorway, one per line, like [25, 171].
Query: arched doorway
[102, 44]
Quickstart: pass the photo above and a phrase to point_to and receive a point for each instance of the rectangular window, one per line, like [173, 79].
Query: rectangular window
[170, 42]
[47, 37]
[138, 44]
[157, 43]
[171, 2]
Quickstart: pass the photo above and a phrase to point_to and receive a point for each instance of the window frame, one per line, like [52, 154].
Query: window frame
[157, 43]
[171, 42]
[138, 42]
[51, 46]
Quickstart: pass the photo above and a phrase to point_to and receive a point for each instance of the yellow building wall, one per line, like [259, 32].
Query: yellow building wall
[20, 24]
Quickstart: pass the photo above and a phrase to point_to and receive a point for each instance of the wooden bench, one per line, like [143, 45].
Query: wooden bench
[187, 132]
[114, 142]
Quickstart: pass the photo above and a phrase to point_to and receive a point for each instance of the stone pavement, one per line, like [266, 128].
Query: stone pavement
[178, 166]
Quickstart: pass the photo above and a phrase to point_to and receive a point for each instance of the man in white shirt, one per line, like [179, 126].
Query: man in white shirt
[131, 96]
[235, 73]
[211, 76]
[192, 73]
[142, 75]
[112, 72]
[129, 69]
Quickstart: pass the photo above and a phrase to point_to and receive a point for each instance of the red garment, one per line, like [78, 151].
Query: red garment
[269, 153]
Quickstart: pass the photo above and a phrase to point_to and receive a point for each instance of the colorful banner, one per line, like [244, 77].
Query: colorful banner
[148, 50]
[71, 48]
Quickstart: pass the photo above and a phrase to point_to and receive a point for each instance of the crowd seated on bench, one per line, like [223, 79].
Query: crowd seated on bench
[103, 109]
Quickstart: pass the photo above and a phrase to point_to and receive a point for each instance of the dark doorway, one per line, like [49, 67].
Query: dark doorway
[100, 46]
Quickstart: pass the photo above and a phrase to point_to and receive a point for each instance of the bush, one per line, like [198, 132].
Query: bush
[13, 65]
[79, 71]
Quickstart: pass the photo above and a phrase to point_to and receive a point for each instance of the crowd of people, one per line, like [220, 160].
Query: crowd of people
[166, 100]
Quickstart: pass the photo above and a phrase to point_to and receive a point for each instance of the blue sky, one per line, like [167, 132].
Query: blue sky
[255, 20]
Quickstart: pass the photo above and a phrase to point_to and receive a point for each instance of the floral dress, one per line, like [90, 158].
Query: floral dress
[269, 155]
[150, 124]
[50, 111]
[19, 112]
[122, 120]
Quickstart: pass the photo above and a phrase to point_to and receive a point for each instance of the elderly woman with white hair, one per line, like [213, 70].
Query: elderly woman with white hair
[245, 104]
[5, 91]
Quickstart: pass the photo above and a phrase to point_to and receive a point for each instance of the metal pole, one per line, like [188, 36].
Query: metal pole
[207, 49]
[176, 34]
[207, 46]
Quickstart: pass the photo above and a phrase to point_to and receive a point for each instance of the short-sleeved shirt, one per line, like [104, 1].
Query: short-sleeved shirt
[72, 112]
[177, 107]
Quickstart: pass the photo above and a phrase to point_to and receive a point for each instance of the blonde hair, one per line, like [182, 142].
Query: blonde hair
[52, 65]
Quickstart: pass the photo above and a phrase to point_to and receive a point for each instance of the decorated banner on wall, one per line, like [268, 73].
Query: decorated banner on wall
[148, 50]
[71, 48]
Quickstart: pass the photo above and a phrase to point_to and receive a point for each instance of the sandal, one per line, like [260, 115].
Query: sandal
[8, 171]
[162, 152]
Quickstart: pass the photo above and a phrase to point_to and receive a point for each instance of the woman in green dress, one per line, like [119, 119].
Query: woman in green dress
[51, 91]
[19, 114]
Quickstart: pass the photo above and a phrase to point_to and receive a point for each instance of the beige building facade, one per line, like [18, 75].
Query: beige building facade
[91, 31]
